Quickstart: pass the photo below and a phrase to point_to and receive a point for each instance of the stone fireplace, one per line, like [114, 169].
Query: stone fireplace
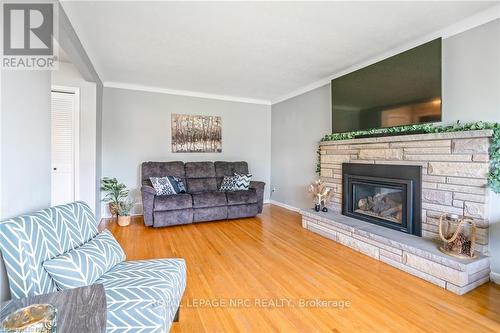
[390, 190]
[454, 169]
[387, 195]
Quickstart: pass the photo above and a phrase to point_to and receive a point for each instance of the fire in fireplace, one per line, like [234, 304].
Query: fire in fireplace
[387, 195]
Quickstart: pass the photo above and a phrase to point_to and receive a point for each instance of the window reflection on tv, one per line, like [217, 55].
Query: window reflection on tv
[401, 90]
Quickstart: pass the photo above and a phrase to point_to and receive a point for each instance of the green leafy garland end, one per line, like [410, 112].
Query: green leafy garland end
[494, 174]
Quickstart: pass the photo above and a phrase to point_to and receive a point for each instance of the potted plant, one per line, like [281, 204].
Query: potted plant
[124, 209]
[115, 193]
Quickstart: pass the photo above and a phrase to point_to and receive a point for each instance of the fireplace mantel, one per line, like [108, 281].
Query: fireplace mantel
[454, 172]
[414, 137]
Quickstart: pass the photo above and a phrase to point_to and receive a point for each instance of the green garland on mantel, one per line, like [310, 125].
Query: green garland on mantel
[494, 174]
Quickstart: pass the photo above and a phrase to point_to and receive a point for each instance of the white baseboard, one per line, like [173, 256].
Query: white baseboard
[277, 203]
[495, 277]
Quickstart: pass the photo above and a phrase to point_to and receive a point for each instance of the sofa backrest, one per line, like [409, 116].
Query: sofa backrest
[223, 169]
[199, 176]
[161, 169]
[27, 241]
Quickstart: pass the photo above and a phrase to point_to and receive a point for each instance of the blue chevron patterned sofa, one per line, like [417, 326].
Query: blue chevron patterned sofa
[142, 296]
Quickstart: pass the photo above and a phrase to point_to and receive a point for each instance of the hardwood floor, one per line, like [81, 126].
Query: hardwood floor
[271, 258]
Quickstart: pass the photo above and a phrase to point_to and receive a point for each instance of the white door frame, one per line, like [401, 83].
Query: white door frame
[76, 134]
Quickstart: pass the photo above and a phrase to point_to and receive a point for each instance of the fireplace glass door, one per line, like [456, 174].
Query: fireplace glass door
[379, 201]
[382, 201]
[387, 195]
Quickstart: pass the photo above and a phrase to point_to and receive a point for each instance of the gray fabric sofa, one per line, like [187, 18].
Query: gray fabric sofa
[202, 202]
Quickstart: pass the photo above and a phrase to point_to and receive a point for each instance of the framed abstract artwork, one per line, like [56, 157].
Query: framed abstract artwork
[195, 133]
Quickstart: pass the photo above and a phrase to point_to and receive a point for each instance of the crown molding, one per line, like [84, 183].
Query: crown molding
[131, 86]
[468, 23]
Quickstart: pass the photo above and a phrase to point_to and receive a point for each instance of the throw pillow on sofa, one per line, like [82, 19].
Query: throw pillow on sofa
[242, 182]
[85, 264]
[167, 185]
[228, 184]
[237, 182]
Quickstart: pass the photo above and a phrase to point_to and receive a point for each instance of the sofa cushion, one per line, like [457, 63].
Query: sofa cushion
[143, 295]
[161, 169]
[241, 197]
[87, 263]
[200, 170]
[209, 199]
[171, 202]
[197, 185]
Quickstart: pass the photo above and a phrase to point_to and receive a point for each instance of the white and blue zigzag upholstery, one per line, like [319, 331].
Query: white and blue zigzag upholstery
[85, 264]
[142, 296]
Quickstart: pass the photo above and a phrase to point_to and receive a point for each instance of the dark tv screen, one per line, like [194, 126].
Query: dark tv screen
[401, 90]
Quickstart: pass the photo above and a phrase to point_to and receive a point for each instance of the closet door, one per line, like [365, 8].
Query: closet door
[64, 146]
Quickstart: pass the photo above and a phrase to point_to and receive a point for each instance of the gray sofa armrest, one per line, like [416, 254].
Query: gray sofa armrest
[148, 199]
[259, 188]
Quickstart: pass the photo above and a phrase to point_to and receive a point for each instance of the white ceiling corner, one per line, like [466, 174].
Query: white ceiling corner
[255, 52]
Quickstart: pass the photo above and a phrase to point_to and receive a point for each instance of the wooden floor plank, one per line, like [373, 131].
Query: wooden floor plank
[272, 258]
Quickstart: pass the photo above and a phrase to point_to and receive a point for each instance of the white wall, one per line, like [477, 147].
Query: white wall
[68, 75]
[25, 158]
[136, 128]
[297, 125]
[25, 147]
[471, 75]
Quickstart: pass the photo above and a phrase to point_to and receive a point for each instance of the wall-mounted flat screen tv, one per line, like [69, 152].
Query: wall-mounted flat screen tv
[401, 90]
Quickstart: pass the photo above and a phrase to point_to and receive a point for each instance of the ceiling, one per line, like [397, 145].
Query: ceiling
[254, 50]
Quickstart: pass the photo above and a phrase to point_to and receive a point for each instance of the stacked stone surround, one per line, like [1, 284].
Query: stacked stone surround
[454, 172]
[414, 255]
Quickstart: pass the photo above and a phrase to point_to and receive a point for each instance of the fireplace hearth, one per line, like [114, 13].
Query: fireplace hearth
[387, 195]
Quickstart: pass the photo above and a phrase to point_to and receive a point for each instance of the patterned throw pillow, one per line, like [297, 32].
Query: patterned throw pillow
[242, 182]
[228, 184]
[87, 263]
[167, 185]
[238, 182]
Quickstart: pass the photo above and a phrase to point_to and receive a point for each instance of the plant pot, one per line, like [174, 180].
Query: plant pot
[113, 208]
[124, 221]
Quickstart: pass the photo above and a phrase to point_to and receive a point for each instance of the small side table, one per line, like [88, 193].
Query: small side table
[78, 310]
